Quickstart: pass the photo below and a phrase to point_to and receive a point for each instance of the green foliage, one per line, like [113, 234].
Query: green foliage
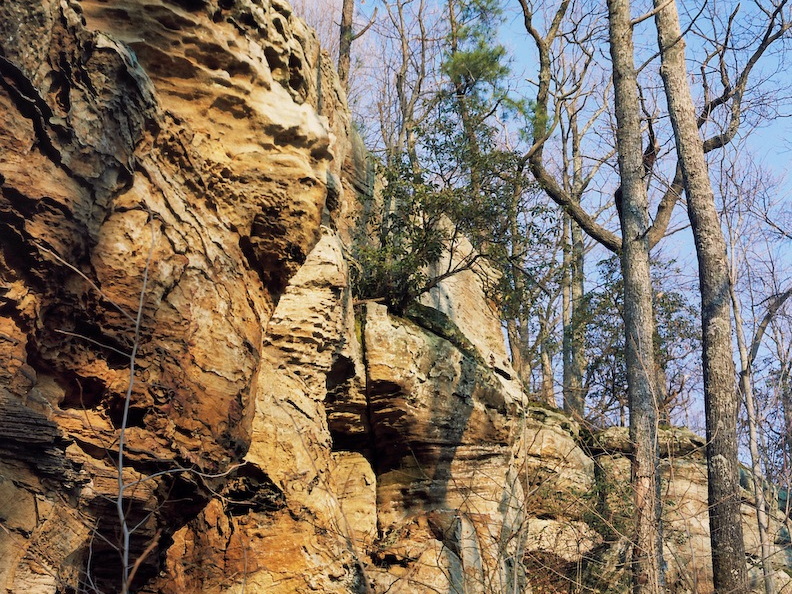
[608, 507]
[677, 336]
[457, 179]
[421, 221]
[407, 238]
[481, 63]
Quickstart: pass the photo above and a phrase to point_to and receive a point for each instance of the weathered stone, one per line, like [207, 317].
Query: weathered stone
[685, 515]
[462, 297]
[671, 442]
[160, 157]
[353, 482]
[444, 430]
[572, 541]
[315, 533]
[556, 468]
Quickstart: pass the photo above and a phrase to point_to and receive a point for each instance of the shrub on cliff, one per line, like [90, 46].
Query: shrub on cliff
[403, 238]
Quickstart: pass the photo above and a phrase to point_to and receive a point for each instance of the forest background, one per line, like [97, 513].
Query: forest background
[638, 216]
[754, 189]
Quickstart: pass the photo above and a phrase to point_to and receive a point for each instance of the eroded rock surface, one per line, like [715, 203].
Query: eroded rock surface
[445, 431]
[163, 175]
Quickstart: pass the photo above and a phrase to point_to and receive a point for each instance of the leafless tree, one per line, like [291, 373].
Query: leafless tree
[324, 16]
[728, 549]
[741, 191]
[634, 247]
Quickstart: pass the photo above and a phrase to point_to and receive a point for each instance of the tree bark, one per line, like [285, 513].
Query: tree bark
[720, 393]
[746, 389]
[345, 43]
[547, 393]
[574, 327]
[647, 549]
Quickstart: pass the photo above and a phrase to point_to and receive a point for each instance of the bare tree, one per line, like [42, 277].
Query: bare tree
[747, 357]
[572, 79]
[323, 16]
[346, 37]
[633, 246]
[406, 49]
[742, 187]
[728, 548]
[647, 553]
[573, 312]
[345, 40]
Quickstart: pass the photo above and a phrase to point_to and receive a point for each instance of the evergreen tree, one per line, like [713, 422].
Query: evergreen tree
[677, 339]
[457, 178]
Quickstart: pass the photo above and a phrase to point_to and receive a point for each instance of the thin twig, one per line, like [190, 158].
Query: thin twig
[92, 341]
[93, 285]
[146, 552]
[126, 533]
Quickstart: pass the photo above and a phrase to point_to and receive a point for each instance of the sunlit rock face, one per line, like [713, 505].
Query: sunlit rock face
[444, 430]
[164, 173]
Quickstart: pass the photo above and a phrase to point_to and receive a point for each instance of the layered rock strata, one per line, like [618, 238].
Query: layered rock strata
[164, 170]
[685, 521]
[175, 320]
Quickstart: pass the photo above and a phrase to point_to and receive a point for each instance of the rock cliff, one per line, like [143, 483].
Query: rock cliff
[191, 400]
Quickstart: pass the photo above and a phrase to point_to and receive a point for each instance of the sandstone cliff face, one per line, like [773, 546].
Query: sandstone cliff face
[178, 188]
[166, 168]
[164, 172]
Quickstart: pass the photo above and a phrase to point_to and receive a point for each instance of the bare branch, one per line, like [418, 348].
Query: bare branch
[650, 14]
[776, 301]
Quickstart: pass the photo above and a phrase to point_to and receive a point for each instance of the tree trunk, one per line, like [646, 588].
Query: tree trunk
[746, 388]
[785, 397]
[638, 317]
[345, 43]
[573, 314]
[574, 328]
[516, 325]
[728, 549]
[513, 335]
[547, 393]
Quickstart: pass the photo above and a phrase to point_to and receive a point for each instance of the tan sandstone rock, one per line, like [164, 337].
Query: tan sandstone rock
[685, 519]
[172, 151]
